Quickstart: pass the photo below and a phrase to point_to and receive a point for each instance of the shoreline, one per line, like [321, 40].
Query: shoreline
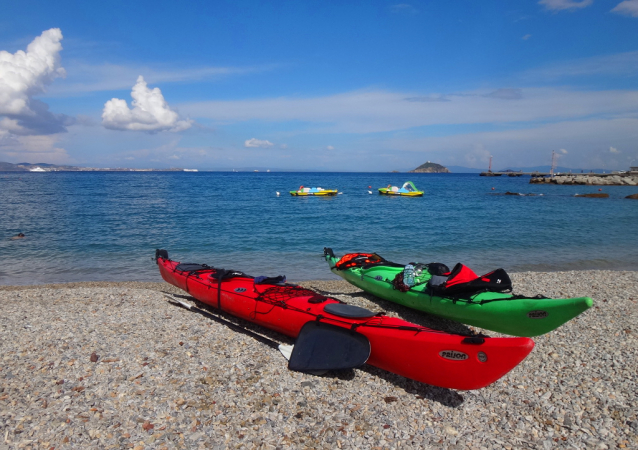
[159, 285]
[164, 377]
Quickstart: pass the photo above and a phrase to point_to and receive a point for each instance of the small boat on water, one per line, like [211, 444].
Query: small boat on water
[407, 190]
[305, 191]
[458, 294]
[410, 350]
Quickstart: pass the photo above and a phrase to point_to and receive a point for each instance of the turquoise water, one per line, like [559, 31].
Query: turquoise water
[84, 226]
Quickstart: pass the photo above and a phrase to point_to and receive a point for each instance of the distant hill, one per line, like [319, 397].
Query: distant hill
[461, 169]
[430, 167]
[8, 167]
[546, 169]
[542, 169]
[39, 165]
[26, 167]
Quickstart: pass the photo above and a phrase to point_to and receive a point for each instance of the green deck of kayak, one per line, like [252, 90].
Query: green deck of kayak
[494, 311]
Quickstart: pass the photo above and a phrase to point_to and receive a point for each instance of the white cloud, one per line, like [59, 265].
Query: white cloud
[628, 8]
[26, 74]
[613, 150]
[526, 37]
[83, 77]
[404, 8]
[150, 112]
[257, 143]
[562, 151]
[167, 153]
[32, 149]
[526, 146]
[560, 5]
[330, 147]
[506, 94]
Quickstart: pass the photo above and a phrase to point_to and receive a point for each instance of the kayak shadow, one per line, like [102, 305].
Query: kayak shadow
[445, 396]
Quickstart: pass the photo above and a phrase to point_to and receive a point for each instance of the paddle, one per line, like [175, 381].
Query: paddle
[319, 346]
[322, 346]
[233, 326]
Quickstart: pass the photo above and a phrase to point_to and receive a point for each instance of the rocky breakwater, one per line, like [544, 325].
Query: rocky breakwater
[592, 179]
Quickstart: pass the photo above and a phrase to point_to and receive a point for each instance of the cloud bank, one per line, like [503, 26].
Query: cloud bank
[619, 65]
[628, 8]
[85, 77]
[150, 112]
[257, 143]
[560, 5]
[24, 75]
[381, 111]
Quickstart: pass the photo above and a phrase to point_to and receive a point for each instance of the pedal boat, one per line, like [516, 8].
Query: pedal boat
[305, 191]
[407, 190]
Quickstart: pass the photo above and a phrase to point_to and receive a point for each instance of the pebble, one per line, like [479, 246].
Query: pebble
[115, 366]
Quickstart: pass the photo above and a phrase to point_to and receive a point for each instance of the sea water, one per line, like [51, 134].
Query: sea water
[94, 226]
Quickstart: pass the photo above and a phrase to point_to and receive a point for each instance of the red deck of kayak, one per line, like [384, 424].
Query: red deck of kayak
[401, 347]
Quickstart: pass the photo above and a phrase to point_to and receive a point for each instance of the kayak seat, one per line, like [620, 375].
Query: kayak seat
[189, 267]
[349, 311]
[436, 281]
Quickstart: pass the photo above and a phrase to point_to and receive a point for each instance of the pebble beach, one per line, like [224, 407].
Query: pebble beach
[115, 365]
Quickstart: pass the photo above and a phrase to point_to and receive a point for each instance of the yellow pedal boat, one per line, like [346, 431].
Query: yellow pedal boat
[407, 190]
[306, 191]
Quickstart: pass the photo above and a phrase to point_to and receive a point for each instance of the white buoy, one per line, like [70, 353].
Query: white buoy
[277, 193]
[340, 193]
[369, 192]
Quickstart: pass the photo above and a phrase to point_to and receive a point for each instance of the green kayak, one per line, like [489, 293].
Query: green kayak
[457, 294]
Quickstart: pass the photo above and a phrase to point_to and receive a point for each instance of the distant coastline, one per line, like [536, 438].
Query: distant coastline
[424, 168]
[43, 167]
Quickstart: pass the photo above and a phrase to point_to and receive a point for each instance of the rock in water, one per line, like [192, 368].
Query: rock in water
[430, 167]
[593, 195]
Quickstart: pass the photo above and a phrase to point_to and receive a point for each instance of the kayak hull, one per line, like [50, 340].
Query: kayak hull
[496, 311]
[415, 352]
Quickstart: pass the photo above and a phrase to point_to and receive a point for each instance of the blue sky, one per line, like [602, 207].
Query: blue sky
[312, 85]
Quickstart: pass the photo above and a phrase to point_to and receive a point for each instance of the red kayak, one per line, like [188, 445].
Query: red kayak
[410, 350]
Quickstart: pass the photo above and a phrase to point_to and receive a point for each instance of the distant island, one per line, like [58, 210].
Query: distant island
[430, 167]
[44, 167]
